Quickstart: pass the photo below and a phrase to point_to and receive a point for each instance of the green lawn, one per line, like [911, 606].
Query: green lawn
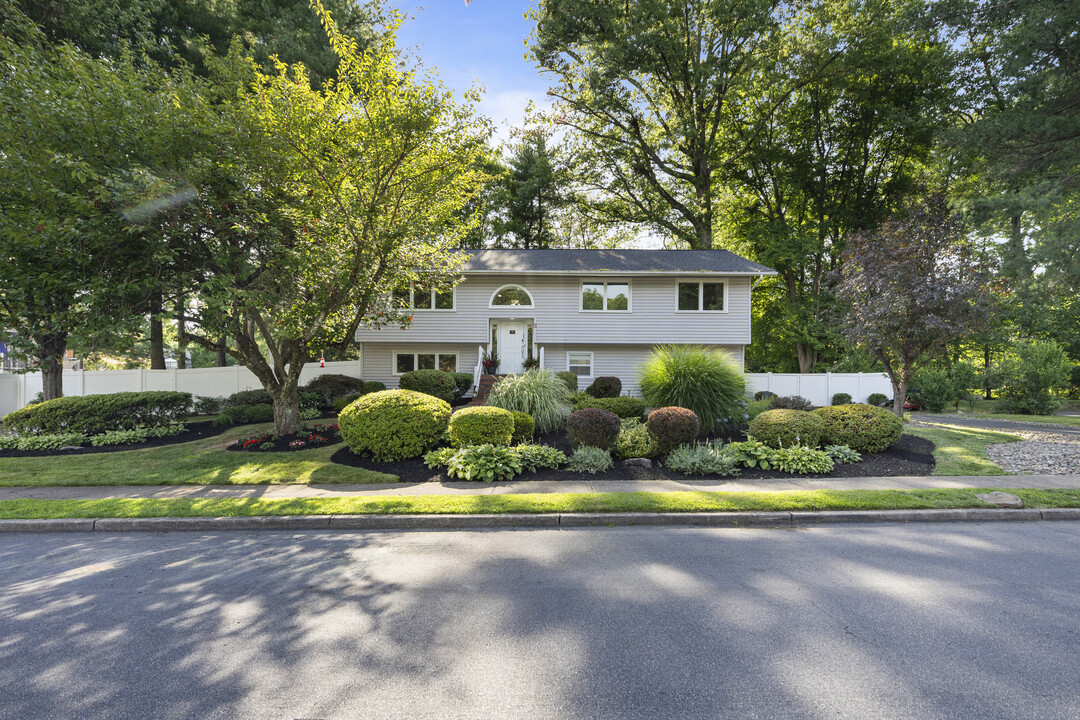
[806, 500]
[962, 451]
[201, 462]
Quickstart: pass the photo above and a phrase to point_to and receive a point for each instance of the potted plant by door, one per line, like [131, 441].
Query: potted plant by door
[490, 361]
[530, 363]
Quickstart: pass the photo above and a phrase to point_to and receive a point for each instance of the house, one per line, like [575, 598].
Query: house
[592, 312]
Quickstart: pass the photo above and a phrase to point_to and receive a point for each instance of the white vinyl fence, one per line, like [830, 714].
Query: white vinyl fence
[819, 388]
[17, 391]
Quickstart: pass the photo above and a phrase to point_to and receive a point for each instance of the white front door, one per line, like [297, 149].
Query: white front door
[512, 339]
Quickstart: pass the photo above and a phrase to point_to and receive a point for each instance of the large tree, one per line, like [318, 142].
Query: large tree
[913, 286]
[321, 202]
[656, 96]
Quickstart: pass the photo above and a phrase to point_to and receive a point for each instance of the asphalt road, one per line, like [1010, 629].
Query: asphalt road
[996, 424]
[879, 621]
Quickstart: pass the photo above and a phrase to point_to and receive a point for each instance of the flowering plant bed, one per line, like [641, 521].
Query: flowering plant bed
[313, 437]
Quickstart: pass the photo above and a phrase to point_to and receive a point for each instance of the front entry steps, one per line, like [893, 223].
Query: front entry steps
[484, 388]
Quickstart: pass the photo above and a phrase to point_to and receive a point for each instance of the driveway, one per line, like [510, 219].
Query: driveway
[879, 621]
[994, 424]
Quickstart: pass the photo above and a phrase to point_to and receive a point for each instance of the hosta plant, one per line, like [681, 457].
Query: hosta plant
[801, 459]
[752, 454]
[486, 463]
[842, 454]
[535, 457]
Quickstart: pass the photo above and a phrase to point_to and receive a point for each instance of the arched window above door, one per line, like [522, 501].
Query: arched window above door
[511, 296]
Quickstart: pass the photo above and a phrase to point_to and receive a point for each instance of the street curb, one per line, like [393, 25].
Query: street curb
[533, 520]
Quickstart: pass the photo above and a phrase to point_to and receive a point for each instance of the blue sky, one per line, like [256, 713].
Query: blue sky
[482, 42]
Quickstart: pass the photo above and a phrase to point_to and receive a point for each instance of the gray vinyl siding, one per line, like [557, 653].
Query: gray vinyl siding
[558, 319]
[378, 358]
[621, 361]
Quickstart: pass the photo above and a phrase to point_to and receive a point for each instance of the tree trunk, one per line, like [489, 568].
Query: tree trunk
[988, 393]
[222, 359]
[287, 406]
[181, 328]
[899, 396]
[808, 357]
[157, 338]
[51, 360]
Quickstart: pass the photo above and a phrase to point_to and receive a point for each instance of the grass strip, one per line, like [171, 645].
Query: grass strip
[677, 502]
[199, 462]
[961, 450]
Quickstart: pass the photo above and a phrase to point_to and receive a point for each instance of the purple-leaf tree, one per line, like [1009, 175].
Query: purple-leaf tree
[913, 285]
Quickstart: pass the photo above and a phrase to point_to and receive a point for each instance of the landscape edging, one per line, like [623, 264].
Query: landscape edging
[550, 520]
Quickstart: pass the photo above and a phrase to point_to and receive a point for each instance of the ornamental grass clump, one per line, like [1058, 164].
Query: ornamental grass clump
[394, 424]
[783, 428]
[863, 428]
[706, 381]
[481, 425]
[536, 392]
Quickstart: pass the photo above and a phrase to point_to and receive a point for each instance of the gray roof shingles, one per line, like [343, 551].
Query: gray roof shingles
[614, 261]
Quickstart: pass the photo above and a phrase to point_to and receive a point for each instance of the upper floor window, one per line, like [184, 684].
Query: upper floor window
[511, 296]
[600, 295]
[420, 298]
[702, 296]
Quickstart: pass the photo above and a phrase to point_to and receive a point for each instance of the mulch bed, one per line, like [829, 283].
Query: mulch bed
[195, 431]
[910, 456]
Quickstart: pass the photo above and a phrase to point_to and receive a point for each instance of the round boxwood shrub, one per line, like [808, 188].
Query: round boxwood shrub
[592, 427]
[246, 414]
[249, 397]
[342, 402]
[790, 402]
[877, 399]
[605, 386]
[462, 384]
[98, 414]
[433, 382]
[524, 427]
[764, 395]
[624, 406]
[372, 386]
[841, 399]
[569, 378]
[671, 427]
[863, 428]
[330, 386]
[481, 424]
[786, 428]
[394, 424]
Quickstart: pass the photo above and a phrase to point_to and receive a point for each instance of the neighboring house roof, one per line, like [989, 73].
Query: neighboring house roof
[612, 261]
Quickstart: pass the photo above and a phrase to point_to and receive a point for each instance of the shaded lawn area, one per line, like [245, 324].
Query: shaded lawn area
[962, 451]
[803, 500]
[200, 462]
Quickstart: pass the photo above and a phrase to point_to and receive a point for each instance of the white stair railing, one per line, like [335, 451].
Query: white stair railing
[541, 356]
[479, 369]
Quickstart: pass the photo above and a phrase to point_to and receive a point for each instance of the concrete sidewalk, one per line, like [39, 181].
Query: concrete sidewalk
[278, 492]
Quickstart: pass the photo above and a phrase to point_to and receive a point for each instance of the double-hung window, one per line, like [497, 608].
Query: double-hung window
[420, 298]
[407, 362]
[580, 363]
[702, 296]
[601, 295]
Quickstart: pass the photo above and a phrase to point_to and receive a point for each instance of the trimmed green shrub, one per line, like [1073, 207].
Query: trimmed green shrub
[96, 414]
[624, 406]
[203, 405]
[486, 463]
[340, 403]
[481, 425]
[764, 395]
[534, 457]
[842, 454]
[524, 427]
[936, 390]
[394, 424]
[593, 427]
[436, 383]
[569, 378]
[372, 386]
[330, 386]
[877, 399]
[605, 386]
[634, 440]
[790, 402]
[245, 414]
[1030, 379]
[708, 382]
[784, 428]
[462, 384]
[536, 392]
[249, 397]
[590, 459]
[863, 428]
[841, 399]
[755, 408]
[671, 427]
[702, 459]
[802, 459]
